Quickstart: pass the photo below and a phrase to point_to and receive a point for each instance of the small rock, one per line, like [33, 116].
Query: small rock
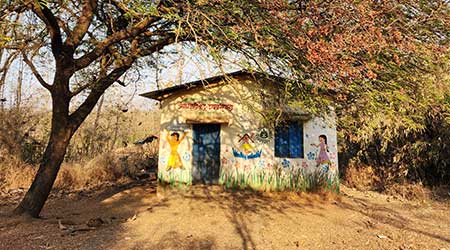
[95, 222]
[382, 236]
[68, 222]
[132, 218]
[61, 226]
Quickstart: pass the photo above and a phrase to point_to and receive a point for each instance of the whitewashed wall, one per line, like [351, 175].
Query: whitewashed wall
[242, 118]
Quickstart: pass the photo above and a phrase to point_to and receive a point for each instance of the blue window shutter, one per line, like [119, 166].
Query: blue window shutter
[281, 142]
[296, 140]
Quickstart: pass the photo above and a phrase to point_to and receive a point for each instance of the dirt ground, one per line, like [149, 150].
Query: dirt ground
[136, 216]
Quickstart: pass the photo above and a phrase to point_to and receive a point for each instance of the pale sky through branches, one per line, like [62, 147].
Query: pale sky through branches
[194, 62]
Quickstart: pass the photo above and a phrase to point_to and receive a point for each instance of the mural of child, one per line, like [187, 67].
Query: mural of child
[246, 145]
[174, 141]
[322, 158]
[246, 149]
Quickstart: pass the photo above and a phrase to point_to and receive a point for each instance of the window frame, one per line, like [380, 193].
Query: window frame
[289, 144]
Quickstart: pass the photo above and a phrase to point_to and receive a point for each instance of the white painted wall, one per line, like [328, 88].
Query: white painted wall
[243, 118]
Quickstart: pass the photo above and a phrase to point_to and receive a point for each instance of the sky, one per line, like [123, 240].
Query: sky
[193, 62]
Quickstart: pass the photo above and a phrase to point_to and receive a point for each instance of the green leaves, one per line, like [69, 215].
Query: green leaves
[43, 3]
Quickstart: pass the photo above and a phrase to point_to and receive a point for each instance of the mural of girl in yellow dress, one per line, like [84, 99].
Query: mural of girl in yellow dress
[174, 141]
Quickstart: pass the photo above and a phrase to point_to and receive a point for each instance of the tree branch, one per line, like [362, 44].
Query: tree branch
[133, 31]
[35, 72]
[79, 90]
[84, 21]
[80, 114]
[98, 88]
[51, 23]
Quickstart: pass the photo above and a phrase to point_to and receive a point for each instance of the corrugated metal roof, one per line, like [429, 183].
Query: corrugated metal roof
[164, 93]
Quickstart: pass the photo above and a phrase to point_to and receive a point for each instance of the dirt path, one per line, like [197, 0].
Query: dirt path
[136, 217]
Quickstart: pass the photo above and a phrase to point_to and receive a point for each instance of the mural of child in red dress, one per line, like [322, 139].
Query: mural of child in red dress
[174, 141]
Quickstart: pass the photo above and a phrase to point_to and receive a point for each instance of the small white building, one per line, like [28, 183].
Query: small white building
[221, 130]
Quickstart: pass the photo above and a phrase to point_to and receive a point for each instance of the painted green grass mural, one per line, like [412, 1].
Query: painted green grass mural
[256, 178]
[279, 179]
[175, 177]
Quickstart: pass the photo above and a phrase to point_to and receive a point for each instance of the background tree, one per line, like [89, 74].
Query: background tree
[343, 48]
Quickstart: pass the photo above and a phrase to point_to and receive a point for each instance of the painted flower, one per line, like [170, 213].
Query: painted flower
[261, 164]
[224, 161]
[333, 167]
[186, 156]
[163, 160]
[304, 164]
[311, 156]
[269, 166]
[325, 168]
[285, 163]
[333, 155]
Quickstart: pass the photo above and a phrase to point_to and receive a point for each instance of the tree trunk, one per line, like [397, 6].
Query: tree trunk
[60, 134]
[35, 198]
[19, 86]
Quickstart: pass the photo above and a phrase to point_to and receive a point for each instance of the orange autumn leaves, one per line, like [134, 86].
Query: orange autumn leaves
[333, 44]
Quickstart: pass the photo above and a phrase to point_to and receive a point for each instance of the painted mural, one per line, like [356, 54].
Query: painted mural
[247, 148]
[323, 160]
[247, 158]
[264, 135]
[277, 174]
[174, 141]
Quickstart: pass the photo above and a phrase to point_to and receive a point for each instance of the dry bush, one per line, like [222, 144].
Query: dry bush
[70, 176]
[14, 173]
[92, 158]
[113, 129]
[110, 167]
[23, 134]
[361, 177]
[366, 178]
[104, 168]
[409, 191]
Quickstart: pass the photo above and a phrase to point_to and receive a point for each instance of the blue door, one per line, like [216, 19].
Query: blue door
[206, 153]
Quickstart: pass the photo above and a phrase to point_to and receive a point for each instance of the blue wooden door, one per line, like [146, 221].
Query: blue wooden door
[206, 153]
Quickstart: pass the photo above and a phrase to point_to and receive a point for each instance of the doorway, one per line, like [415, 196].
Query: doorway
[206, 153]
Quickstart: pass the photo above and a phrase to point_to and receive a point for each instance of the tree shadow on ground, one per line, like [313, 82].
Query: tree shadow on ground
[173, 240]
[97, 212]
[239, 205]
[381, 214]
[142, 215]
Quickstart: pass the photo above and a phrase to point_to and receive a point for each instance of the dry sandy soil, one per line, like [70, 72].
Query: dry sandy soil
[136, 216]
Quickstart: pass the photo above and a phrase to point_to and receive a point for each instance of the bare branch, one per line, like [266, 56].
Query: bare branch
[133, 31]
[79, 90]
[36, 72]
[6, 64]
[99, 87]
[84, 21]
[51, 23]
[80, 114]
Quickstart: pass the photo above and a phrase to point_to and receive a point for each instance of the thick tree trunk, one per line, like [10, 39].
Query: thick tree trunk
[35, 198]
[60, 135]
